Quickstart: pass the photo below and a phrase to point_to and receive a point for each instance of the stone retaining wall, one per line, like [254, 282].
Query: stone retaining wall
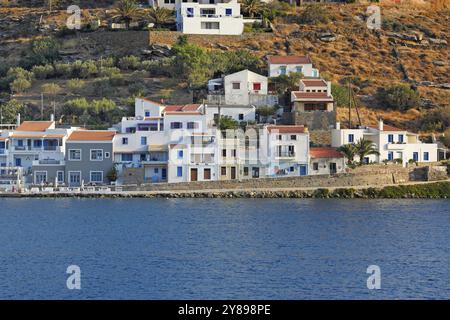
[372, 175]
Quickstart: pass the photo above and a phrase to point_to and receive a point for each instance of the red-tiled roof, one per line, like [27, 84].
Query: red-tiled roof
[286, 129]
[181, 113]
[289, 60]
[325, 153]
[314, 83]
[34, 126]
[387, 128]
[184, 108]
[89, 135]
[312, 95]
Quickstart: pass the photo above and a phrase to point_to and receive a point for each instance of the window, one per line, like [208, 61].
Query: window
[192, 125]
[97, 176]
[179, 171]
[190, 12]
[390, 138]
[390, 156]
[351, 138]
[256, 86]
[176, 125]
[143, 141]
[245, 171]
[37, 143]
[233, 153]
[223, 171]
[124, 140]
[40, 177]
[291, 169]
[20, 143]
[156, 170]
[315, 166]
[293, 137]
[147, 113]
[241, 116]
[236, 85]
[224, 153]
[400, 138]
[127, 157]
[279, 137]
[75, 155]
[180, 154]
[415, 156]
[283, 70]
[228, 11]
[210, 25]
[299, 69]
[74, 178]
[96, 155]
[107, 155]
[426, 156]
[2, 144]
[60, 176]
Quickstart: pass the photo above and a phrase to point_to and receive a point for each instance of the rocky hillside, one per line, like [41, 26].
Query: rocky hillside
[412, 47]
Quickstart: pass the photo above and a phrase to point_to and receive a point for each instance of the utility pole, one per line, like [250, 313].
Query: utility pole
[42, 106]
[349, 106]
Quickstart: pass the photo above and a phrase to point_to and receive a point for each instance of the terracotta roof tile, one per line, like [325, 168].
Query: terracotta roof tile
[289, 60]
[34, 126]
[314, 83]
[387, 127]
[312, 95]
[325, 153]
[287, 129]
[89, 135]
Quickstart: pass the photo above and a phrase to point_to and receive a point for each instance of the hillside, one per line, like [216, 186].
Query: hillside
[412, 47]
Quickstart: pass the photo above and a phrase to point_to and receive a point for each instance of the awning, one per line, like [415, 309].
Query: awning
[157, 147]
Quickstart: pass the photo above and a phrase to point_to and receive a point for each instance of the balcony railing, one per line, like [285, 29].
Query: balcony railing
[48, 162]
[285, 154]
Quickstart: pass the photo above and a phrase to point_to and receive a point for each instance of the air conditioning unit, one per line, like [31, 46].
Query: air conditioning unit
[140, 118]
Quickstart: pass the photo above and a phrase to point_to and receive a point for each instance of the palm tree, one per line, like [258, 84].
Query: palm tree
[126, 10]
[252, 7]
[160, 16]
[365, 148]
[349, 150]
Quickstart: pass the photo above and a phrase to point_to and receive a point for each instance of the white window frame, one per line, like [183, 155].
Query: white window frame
[70, 158]
[90, 176]
[68, 177]
[40, 172]
[63, 178]
[90, 154]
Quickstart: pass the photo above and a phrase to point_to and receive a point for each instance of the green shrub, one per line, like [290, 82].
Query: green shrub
[19, 85]
[398, 97]
[76, 85]
[42, 51]
[109, 72]
[43, 71]
[19, 73]
[63, 70]
[314, 14]
[88, 69]
[129, 63]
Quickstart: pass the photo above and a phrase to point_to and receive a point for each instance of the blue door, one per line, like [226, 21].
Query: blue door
[302, 169]
[18, 162]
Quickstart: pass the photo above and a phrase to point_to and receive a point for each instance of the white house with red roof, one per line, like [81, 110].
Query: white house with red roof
[284, 65]
[325, 160]
[240, 88]
[393, 144]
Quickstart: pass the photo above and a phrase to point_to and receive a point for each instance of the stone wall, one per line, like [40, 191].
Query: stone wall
[371, 175]
[316, 120]
[132, 176]
[170, 37]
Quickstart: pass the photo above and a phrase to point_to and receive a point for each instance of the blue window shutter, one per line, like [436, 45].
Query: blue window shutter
[179, 171]
[391, 138]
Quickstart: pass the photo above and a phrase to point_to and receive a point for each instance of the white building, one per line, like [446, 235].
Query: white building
[168, 4]
[219, 17]
[287, 150]
[392, 143]
[241, 88]
[326, 160]
[283, 65]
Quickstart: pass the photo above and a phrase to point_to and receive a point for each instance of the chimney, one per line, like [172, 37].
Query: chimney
[329, 88]
[380, 125]
[338, 126]
[18, 119]
[52, 117]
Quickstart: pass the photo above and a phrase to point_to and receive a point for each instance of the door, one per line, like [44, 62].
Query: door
[333, 169]
[207, 174]
[74, 179]
[302, 170]
[194, 174]
[164, 174]
[233, 173]
[18, 162]
[415, 156]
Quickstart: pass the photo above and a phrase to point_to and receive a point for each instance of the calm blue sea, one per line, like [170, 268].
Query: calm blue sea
[224, 249]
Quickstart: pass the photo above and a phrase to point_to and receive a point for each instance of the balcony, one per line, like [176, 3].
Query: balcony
[2, 151]
[44, 162]
[285, 154]
[396, 146]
